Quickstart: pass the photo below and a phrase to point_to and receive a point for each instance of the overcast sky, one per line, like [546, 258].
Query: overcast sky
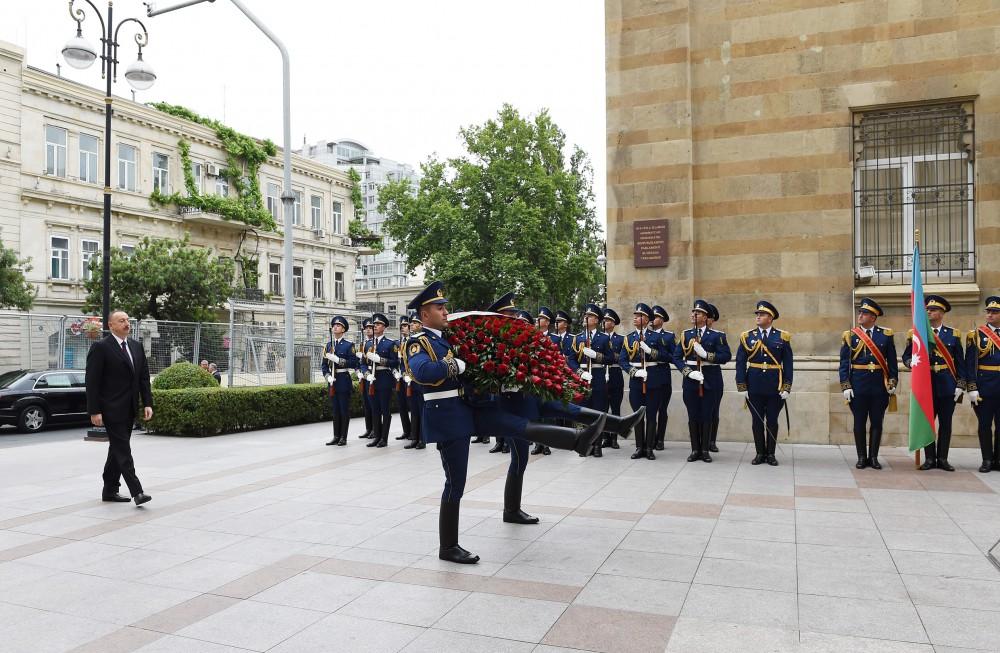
[399, 76]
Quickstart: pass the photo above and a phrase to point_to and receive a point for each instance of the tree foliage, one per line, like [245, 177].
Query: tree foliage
[164, 279]
[513, 213]
[15, 290]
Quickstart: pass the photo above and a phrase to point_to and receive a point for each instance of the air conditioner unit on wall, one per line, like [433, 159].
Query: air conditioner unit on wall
[319, 234]
[212, 170]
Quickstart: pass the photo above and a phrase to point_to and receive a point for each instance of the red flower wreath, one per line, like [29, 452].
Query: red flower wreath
[503, 352]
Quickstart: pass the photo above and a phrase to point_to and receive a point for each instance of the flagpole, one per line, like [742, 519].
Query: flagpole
[916, 249]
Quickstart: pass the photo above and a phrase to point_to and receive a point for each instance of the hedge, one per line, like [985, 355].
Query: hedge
[184, 375]
[200, 412]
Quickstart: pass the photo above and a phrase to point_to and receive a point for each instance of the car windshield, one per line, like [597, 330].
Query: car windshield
[7, 379]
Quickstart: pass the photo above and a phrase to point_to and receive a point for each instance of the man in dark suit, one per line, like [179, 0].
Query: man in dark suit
[117, 378]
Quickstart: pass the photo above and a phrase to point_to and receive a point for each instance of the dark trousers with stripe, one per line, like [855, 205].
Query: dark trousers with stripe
[868, 408]
[988, 412]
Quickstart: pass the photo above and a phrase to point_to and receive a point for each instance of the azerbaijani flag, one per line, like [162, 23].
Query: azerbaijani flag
[921, 392]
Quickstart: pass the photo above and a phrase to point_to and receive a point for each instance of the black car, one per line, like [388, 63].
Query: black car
[30, 400]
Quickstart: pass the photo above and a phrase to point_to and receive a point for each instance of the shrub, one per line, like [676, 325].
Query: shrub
[184, 375]
[213, 411]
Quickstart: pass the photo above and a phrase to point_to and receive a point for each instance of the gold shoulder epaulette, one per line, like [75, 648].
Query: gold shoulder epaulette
[971, 336]
[887, 332]
[847, 337]
[786, 336]
[909, 334]
[746, 334]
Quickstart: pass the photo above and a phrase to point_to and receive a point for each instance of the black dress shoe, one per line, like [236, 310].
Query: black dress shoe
[333, 442]
[614, 444]
[706, 457]
[412, 445]
[506, 448]
[650, 455]
[342, 442]
[373, 443]
[380, 444]
[695, 455]
[713, 448]
[519, 517]
[420, 445]
[996, 465]
[638, 454]
[758, 459]
[405, 436]
[945, 465]
[547, 452]
[930, 463]
[537, 450]
[659, 446]
[598, 453]
[985, 467]
[862, 463]
[457, 554]
[142, 498]
[115, 498]
[875, 464]
[497, 449]
[772, 461]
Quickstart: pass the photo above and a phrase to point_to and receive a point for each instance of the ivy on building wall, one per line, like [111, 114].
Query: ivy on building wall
[356, 229]
[244, 156]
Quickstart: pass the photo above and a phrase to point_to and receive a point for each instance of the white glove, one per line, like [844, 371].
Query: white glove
[891, 390]
[641, 374]
[361, 375]
[587, 376]
[784, 395]
[698, 349]
[645, 348]
[329, 379]
[337, 360]
[461, 365]
[370, 378]
[589, 353]
[848, 394]
[958, 394]
[408, 379]
[330, 356]
[373, 357]
[396, 375]
[697, 376]
[974, 396]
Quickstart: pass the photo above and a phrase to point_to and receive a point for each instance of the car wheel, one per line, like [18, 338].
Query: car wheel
[32, 419]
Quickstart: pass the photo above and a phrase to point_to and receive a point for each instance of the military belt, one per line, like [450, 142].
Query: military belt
[342, 370]
[648, 364]
[871, 367]
[764, 366]
[703, 364]
[615, 365]
[596, 366]
[382, 367]
[443, 394]
[989, 368]
[941, 368]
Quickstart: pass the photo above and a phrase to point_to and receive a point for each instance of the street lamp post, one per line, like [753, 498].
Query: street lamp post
[80, 53]
[602, 260]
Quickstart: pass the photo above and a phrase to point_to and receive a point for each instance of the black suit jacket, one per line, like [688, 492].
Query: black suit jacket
[113, 386]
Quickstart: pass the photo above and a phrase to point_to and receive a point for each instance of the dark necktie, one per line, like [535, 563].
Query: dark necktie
[868, 332]
[127, 357]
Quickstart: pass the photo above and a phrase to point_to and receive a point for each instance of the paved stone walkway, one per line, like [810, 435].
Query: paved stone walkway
[269, 541]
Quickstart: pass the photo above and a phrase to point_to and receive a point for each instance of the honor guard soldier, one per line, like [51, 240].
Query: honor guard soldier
[645, 358]
[982, 368]
[710, 320]
[661, 317]
[698, 356]
[401, 385]
[564, 337]
[414, 396]
[504, 305]
[616, 381]
[338, 361]
[543, 320]
[591, 352]
[947, 378]
[869, 373]
[366, 400]
[381, 357]
[764, 378]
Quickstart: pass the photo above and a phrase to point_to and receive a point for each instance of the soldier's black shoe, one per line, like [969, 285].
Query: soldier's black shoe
[639, 453]
[115, 498]
[714, 427]
[930, 463]
[332, 442]
[547, 452]
[945, 465]
[650, 455]
[420, 445]
[713, 448]
[537, 449]
[374, 442]
[365, 436]
[772, 461]
[613, 423]
[404, 436]
[481, 439]
[875, 464]
[862, 463]
[561, 437]
[412, 445]
[758, 459]
[142, 498]
[613, 442]
[985, 467]
[596, 450]
[695, 455]
[505, 448]
[342, 442]
[458, 555]
[659, 446]
[512, 513]
[996, 465]
[449, 549]
[381, 443]
[706, 457]
[519, 517]
[498, 448]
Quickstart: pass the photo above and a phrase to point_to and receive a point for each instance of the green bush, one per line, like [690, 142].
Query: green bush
[201, 412]
[184, 375]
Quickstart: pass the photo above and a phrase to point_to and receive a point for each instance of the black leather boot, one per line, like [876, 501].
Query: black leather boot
[448, 548]
[376, 435]
[640, 440]
[613, 441]
[873, 451]
[512, 513]
[498, 447]
[345, 424]
[384, 430]
[504, 447]
[705, 432]
[613, 423]
[650, 442]
[715, 432]
[859, 445]
[537, 450]
[336, 431]
[561, 437]
[481, 439]
[695, 437]
[596, 450]
[369, 430]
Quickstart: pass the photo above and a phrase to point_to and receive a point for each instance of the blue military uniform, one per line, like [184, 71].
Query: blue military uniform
[339, 358]
[563, 340]
[661, 412]
[593, 368]
[701, 397]
[866, 385]
[402, 386]
[616, 381]
[982, 369]
[649, 377]
[414, 395]
[947, 381]
[363, 386]
[713, 317]
[387, 352]
[764, 368]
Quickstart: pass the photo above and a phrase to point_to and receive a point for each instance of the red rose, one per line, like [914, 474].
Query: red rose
[536, 379]
[520, 376]
[503, 369]
[489, 366]
[472, 359]
[577, 397]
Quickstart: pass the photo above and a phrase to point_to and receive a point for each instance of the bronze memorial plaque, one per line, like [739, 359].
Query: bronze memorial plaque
[649, 240]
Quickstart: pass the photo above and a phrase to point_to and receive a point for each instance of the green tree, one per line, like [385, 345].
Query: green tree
[513, 213]
[15, 291]
[164, 279]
